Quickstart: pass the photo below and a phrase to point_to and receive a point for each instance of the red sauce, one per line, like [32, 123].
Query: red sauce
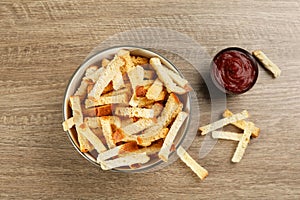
[235, 70]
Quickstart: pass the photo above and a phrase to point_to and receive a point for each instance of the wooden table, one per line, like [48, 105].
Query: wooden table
[43, 42]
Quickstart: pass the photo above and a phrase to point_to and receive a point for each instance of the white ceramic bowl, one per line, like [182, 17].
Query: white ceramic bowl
[155, 162]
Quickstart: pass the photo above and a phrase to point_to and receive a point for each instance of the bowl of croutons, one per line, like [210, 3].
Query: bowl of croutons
[127, 109]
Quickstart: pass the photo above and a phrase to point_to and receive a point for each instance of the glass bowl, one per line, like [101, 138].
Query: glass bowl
[155, 162]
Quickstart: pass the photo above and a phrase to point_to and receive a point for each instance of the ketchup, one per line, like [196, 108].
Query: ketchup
[235, 70]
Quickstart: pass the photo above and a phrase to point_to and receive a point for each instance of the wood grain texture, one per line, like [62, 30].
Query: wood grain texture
[43, 42]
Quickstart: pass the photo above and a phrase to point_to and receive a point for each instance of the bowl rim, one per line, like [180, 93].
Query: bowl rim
[129, 47]
[254, 65]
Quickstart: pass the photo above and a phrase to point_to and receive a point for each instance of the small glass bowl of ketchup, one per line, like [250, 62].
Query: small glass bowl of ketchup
[234, 70]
